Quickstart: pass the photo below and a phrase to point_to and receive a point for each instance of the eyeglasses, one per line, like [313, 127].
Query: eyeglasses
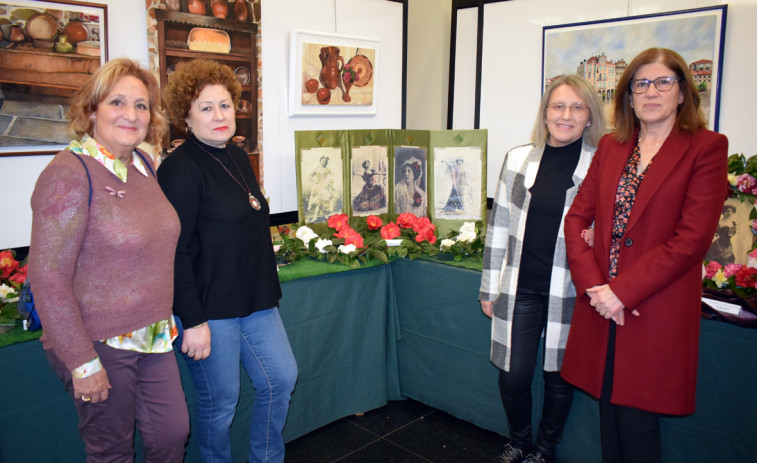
[662, 84]
[559, 108]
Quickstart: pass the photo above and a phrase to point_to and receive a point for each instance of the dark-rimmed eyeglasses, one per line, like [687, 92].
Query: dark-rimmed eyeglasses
[662, 84]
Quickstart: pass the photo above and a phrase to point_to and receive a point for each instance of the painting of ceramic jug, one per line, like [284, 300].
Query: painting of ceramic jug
[331, 72]
[196, 6]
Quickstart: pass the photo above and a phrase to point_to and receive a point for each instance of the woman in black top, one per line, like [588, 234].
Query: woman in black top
[226, 284]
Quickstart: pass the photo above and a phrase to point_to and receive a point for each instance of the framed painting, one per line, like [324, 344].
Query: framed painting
[48, 49]
[332, 74]
[600, 51]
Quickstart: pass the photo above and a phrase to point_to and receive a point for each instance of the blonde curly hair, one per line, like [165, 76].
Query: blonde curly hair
[85, 101]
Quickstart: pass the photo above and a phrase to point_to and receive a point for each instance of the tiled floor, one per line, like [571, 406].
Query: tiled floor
[401, 432]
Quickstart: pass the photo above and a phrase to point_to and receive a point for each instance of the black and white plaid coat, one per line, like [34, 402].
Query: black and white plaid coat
[504, 243]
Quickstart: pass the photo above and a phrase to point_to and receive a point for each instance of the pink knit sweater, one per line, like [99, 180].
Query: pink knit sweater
[102, 270]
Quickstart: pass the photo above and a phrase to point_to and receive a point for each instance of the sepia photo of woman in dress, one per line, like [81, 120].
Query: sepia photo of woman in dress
[457, 176]
[323, 193]
[409, 196]
[372, 196]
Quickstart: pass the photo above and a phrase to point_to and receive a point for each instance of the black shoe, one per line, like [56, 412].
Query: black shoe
[510, 455]
[538, 457]
[531, 458]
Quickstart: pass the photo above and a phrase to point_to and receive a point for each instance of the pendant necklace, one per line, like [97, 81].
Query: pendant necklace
[254, 203]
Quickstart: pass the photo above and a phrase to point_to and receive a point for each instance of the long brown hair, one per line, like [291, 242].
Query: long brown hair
[689, 117]
[588, 95]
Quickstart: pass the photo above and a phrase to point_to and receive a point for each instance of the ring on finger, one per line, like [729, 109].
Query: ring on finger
[85, 398]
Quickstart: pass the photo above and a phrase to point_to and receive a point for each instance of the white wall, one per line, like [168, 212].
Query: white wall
[378, 19]
[127, 37]
[428, 39]
[512, 65]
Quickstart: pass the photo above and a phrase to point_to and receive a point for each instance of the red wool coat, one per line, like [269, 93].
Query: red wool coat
[670, 228]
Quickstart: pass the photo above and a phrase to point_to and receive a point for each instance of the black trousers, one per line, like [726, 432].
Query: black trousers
[529, 320]
[628, 434]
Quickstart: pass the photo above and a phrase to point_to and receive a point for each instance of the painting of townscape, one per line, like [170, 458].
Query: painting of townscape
[601, 50]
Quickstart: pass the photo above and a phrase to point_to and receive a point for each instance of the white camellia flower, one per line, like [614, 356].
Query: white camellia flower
[446, 243]
[467, 232]
[347, 248]
[733, 179]
[321, 243]
[305, 234]
[5, 290]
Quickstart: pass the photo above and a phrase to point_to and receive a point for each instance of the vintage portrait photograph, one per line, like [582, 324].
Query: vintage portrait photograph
[733, 237]
[322, 188]
[601, 50]
[369, 180]
[410, 185]
[457, 183]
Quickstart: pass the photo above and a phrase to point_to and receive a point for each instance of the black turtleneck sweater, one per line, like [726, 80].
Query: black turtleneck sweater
[545, 212]
[225, 265]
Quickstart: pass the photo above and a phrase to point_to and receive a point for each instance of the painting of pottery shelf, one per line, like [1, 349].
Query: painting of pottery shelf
[47, 51]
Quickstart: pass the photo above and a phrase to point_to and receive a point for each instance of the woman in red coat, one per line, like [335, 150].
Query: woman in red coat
[653, 193]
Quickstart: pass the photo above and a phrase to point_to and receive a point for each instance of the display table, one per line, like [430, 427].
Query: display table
[416, 329]
[443, 358]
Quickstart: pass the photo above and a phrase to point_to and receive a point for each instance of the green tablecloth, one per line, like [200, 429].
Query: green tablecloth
[408, 328]
[443, 352]
[339, 328]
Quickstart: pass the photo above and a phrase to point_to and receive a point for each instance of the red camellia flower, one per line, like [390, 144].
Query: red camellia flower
[390, 231]
[406, 220]
[427, 234]
[746, 277]
[374, 222]
[354, 238]
[344, 232]
[7, 264]
[338, 221]
[20, 276]
[421, 223]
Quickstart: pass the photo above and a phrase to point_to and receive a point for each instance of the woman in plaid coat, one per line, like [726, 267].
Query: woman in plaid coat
[525, 286]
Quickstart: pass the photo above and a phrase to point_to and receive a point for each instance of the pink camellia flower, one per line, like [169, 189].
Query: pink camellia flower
[752, 259]
[338, 221]
[406, 220]
[731, 269]
[390, 231]
[346, 77]
[374, 222]
[711, 269]
[746, 183]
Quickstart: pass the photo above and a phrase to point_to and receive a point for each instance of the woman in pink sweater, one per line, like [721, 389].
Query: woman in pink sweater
[101, 267]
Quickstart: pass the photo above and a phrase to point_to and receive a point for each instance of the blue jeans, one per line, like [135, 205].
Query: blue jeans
[260, 342]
